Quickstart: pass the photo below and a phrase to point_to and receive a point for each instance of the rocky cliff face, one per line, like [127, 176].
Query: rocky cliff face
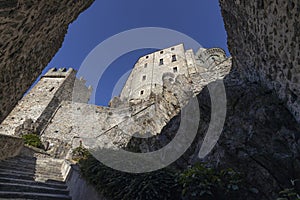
[31, 33]
[264, 41]
[261, 134]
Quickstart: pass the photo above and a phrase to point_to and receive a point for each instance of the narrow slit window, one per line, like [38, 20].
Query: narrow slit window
[146, 64]
[174, 58]
[142, 92]
[175, 70]
[144, 78]
[51, 89]
[161, 61]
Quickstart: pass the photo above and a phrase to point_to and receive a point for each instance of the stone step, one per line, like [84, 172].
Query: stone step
[25, 169]
[30, 166]
[59, 185]
[34, 159]
[25, 177]
[48, 178]
[37, 162]
[39, 167]
[50, 181]
[15, 176]
[29, 177]
[29, 195]
[14, 166]
[17, 187]
[31, 173]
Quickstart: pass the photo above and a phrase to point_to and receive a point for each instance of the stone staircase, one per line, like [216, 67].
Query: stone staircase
[32, 177]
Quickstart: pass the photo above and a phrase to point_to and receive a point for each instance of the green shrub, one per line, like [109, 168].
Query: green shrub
[80, 153]
[33, 140]
[197, 182]
[290, 193]
[201, 182]
[116, 185]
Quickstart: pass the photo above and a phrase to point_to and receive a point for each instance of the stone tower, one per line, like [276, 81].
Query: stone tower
[148, 73]
[37, 107]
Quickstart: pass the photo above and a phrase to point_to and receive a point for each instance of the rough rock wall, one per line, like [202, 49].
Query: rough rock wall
[31, 33]
[264, 41]
[260, 138]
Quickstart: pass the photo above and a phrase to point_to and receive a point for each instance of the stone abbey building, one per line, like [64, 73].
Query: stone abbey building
[159, 85]
[147, 74]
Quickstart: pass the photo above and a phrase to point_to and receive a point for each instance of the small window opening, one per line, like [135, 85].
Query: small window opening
[144, 78]
[175, 70]
[161, 61]
[51, 89]
[174, 58]
[146, 64]
[161, 52]
[147, 57]
[142, 92]
[172, 49]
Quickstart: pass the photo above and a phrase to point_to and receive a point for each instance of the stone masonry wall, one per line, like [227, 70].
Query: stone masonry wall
[146, 76]
[31, 33]
[264, 41]
[150, 70]
[10, 146]
[35, 109]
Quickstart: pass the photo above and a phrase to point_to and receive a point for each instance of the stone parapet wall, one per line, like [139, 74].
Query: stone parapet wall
[10, 146]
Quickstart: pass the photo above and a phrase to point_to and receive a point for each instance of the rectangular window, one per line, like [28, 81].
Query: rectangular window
[174, 58]
[146, 64]
[142, 92]
[161, 61]
[175, 70]
[144, 78]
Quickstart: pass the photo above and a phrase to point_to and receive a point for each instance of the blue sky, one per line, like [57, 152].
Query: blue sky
[200, 20]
